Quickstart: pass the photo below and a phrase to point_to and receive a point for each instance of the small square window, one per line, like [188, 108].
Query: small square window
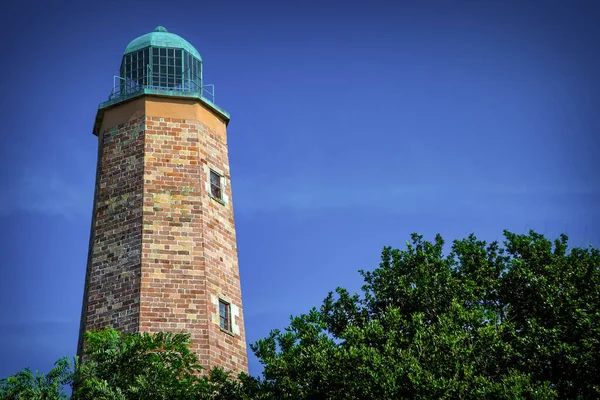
[225, 315]
[215, 185]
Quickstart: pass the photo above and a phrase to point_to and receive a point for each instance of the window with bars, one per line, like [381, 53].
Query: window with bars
[224, 315]
[134, 69]
[216, 190]
[166, 67]
[160, 67]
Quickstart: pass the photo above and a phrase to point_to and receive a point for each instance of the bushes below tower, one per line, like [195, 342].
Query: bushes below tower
[123, 367]
[484, 321]
[145, 366]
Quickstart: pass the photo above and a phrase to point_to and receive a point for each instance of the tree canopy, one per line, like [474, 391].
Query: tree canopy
[484, 320]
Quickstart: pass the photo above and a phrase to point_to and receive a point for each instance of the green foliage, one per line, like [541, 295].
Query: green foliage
[149, 366]
[484, 321]
[521, 321]
[119, 366]
[142, 366]
[28, 386]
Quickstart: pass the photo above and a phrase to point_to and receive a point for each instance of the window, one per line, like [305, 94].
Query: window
[160, 68]
[225, 315]
[215, 185]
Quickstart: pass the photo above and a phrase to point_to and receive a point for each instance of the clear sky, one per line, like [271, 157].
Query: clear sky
[353, 125]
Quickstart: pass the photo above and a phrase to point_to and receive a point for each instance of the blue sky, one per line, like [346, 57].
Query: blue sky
[353, 125]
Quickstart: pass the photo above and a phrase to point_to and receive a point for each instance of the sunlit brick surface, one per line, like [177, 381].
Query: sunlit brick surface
[164, 251]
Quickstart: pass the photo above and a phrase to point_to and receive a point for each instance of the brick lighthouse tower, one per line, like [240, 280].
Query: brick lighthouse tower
[163, 254]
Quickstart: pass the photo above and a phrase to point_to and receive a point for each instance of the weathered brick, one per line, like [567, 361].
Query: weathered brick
[163, 251]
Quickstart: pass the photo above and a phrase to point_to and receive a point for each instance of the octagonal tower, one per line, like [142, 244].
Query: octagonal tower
[163, 253]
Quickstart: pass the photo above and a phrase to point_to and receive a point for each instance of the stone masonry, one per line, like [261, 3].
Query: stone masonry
[113, 281]
[163, 251]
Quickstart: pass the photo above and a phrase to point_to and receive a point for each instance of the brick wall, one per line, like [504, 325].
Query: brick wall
[113, 281]
[189, 247]
[174, 243]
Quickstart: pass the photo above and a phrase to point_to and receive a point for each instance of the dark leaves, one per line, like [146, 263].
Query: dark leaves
[485, 321]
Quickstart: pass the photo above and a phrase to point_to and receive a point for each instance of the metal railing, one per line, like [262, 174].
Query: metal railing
[123, 88]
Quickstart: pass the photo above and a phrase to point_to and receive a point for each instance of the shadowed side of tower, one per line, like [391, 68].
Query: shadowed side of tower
[163, 254]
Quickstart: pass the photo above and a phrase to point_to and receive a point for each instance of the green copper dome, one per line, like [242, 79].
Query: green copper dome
[160, 63]
[161, 38]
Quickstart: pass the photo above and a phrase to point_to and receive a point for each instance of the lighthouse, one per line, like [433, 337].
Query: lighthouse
[163, 253]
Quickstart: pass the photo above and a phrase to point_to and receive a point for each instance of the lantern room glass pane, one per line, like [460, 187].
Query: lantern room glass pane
[160, 68]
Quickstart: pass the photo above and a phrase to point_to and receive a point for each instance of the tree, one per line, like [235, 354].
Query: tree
[129, 367]
[26, 385]
[483, 321]
[521, 321]
[148, 366]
